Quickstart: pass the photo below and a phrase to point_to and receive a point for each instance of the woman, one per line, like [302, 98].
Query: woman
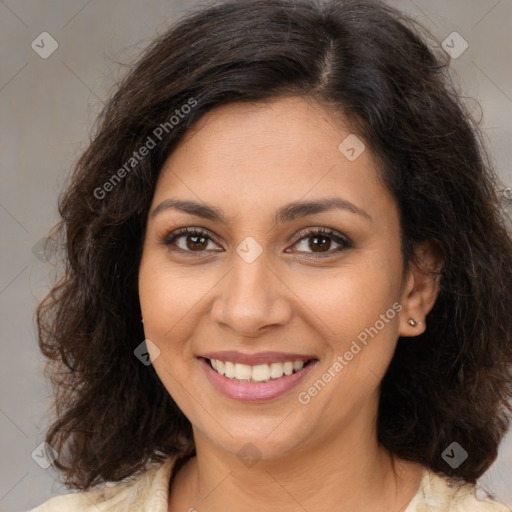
[292, 199]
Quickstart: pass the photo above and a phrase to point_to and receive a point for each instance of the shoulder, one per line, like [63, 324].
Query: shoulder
[437, 493]
[145, 491]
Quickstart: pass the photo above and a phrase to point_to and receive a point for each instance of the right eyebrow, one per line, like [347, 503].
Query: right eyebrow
[191, 207]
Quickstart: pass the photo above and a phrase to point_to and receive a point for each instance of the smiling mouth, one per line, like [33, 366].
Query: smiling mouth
[259, 373]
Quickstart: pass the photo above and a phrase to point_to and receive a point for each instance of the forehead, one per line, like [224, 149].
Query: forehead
[267, 153]
[298, 123]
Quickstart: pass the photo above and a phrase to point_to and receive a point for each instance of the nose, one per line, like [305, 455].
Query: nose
[252, 298]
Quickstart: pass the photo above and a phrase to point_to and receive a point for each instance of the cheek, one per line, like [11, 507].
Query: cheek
[173, 301]
[169, 304]
[166, 305]
[169, 297]
[352, 298]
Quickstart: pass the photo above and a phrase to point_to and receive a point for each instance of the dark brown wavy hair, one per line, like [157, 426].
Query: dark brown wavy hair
[373, 65]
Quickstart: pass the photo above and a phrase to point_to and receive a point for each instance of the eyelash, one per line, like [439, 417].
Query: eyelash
[343, 241]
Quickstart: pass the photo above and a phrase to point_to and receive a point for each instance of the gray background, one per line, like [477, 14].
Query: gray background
[47, 107]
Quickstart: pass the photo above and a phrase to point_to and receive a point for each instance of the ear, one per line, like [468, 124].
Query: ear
[420, 288]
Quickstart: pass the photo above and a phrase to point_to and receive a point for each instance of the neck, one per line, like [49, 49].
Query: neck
[344, 472]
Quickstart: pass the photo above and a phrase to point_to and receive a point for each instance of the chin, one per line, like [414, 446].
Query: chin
[262, 439]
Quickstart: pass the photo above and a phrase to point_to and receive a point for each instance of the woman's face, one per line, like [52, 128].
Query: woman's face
[259, 286]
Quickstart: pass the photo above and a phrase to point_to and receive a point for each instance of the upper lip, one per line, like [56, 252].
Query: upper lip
[255, 359]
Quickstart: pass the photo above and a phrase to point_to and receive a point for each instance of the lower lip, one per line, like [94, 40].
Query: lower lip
[254, 391]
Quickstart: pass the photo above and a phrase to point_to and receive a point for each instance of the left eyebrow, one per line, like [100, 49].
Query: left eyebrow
[286, 213]
[301, 209]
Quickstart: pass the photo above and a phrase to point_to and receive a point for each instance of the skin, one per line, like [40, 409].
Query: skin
[249, 160]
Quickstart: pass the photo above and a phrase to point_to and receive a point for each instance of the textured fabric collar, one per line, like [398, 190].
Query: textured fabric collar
[148, 491]
[437, 493]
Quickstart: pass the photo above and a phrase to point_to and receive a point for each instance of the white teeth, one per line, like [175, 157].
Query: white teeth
[288, 368]
[229, 370]
[257, 373]
[242, 371]
[276, 370]
[297, 365]
[261, 372]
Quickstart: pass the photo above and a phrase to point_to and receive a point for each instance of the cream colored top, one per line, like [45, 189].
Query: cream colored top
[148, 492]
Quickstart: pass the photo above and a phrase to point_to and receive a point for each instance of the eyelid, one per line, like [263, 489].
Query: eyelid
[333, 233]
[170, 237]
[339, 238]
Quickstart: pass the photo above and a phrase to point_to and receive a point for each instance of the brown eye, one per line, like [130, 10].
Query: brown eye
[189, 240]
[322, 242]
[194, 242]
[316, 242]
[319, 243]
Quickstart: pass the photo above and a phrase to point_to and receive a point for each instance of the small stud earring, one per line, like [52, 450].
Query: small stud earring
[413, 322]
[142, 320]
